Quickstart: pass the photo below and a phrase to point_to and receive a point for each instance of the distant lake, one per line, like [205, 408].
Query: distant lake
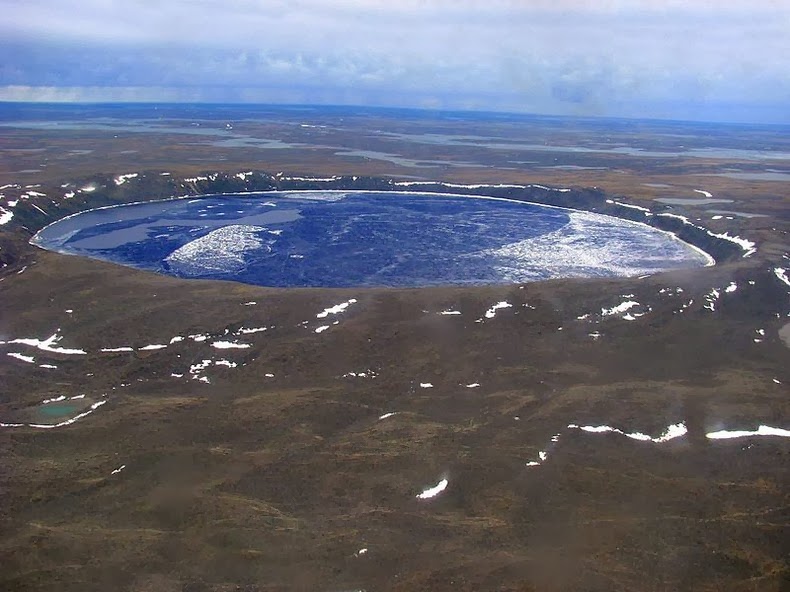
[345, 239]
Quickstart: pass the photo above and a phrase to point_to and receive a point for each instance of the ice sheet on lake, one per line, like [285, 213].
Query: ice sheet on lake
[592, 245]
[220, 251]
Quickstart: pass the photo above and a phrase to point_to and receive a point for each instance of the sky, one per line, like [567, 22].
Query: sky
[723, 60]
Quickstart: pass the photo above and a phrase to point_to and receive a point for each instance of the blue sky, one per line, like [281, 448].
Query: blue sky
[697, 59]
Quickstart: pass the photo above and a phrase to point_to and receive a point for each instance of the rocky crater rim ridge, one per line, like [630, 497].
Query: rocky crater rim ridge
[28, 209]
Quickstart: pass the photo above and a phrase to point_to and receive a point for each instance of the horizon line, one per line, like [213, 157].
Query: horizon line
[469, 111]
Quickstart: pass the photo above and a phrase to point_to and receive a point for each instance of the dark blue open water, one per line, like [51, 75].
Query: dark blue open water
[344, 239]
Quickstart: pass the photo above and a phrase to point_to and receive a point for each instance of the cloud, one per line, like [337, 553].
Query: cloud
[558, 56]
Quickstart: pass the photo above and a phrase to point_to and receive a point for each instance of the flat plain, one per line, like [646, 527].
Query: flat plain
[431, 439]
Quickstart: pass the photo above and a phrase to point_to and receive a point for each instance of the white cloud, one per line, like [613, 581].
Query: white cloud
[558, 55]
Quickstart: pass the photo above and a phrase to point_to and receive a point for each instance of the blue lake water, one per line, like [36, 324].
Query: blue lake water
[345, 239]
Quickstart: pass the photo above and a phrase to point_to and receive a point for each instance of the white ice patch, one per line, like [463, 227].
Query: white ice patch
[673, 431]
[450, 312]
[731, 288]
[763, 430]
[337, 309]
[220, 251]
[386, 415]
[646, 211]
[251, 330]
[619, 309]
[227, 363]
[121, 179]
[48, 344]
[322, 179]
[473, 385]
[118, 470]
[433, 491]
[591, 245]
[5, 216]
[625, 310]
[321, 329]
[671, 291]
[196, 369]
[364, 374]
[781, 274]
[230, 345]
[491, 312]
[24, 358]
[117, 349]
[710, 299]
[152, 347]
[707, 194]
[426, 385]
[749, 247]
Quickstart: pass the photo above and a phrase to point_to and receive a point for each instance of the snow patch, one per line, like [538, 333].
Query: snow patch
[121, 179]
[230, 345]
[48, 345]
[433, 491]
[673, 431]
[763, 430]
[337, 309]
[491, 312]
